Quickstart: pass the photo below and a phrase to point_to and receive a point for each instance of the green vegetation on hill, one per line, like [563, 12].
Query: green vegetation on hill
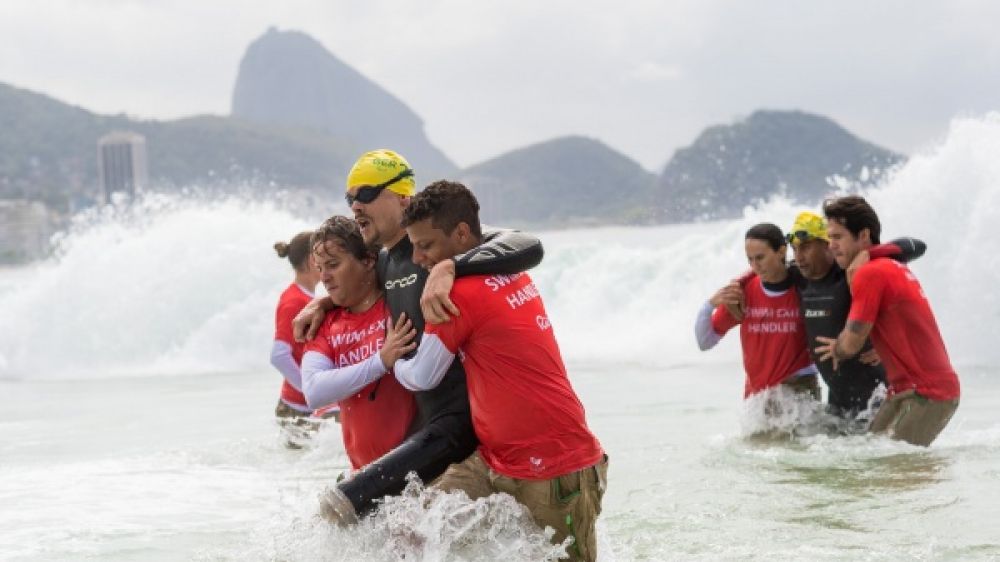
[569, 180]
[210, 148]
[771, 152]
[48, 151]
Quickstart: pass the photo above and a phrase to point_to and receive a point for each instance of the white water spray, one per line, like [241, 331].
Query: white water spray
[179, 286]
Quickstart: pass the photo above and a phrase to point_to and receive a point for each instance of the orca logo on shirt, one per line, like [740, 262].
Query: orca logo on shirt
[813, 313]
[543, 322]
[401, 282]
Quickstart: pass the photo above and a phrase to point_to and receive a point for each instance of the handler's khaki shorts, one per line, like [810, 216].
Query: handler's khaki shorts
[913, 418]
[569, 503]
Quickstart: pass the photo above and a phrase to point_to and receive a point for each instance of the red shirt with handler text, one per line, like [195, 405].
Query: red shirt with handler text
[772, 335]
[529, 421]
[376, 419]
[292, 300]
[886, 294]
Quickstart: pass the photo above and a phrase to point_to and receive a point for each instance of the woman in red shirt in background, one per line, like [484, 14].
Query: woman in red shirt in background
[286, 354]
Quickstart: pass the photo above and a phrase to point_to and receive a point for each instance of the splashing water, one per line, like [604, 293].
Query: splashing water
[166, 285]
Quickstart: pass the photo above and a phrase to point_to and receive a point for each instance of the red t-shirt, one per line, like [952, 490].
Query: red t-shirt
[886, 294]
[377, 419]
[292, 300]
[529, 421]
[772, 335]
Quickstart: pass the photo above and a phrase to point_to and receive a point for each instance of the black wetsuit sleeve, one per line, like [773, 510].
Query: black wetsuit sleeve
[902, 250]
[909, 249]
[503, 252]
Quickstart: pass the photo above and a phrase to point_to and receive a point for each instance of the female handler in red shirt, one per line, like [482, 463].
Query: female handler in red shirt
[286, 353]
[772, 332]
[350, 356]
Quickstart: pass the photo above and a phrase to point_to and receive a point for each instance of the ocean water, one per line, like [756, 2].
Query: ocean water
[136, 400]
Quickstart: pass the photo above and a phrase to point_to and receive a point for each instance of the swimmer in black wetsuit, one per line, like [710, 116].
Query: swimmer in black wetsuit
[825, 300]
[379, 188]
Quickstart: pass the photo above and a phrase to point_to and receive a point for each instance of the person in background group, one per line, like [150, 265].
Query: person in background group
[292, 410]
[534, 441]
[380, 186]
[765, 305]
[826, 300]
[890, 305]
[349, 361]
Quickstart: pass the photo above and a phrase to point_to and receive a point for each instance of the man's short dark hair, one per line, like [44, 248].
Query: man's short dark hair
[855, 214]
[446, 203]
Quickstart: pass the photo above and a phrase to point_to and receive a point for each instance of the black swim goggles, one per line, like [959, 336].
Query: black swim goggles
[369, 193]
[800, 235]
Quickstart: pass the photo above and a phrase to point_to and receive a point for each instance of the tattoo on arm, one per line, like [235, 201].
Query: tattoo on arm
[856, 327]
[852, 340]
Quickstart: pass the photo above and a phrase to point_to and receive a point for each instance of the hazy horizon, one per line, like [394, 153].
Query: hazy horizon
[645, 77]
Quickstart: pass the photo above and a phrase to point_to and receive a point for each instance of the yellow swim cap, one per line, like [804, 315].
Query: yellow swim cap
[807, 226]
[382, 168]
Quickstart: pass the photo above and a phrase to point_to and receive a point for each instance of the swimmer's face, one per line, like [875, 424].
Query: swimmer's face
[347, 279]
[767, 263]
[431, 245]
[813, 258]
[843, 244]
[380, 221]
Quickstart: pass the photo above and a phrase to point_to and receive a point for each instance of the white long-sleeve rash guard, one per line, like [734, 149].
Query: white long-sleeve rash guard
[427, 367]
[323, 384]
[703, 331]
[284, 362]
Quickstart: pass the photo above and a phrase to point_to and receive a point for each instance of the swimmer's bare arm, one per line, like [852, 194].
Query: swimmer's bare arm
[503, 252]
[846, 345]
[310, 318]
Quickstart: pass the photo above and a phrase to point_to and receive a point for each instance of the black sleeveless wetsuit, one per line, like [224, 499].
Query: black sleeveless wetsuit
[444, 427]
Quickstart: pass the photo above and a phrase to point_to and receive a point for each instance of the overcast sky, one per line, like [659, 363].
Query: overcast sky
[644, 76]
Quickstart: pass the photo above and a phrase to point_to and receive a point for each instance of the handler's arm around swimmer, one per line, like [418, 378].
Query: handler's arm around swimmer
[428, 365]
[308, 321]
[324, 384]
[504, 252]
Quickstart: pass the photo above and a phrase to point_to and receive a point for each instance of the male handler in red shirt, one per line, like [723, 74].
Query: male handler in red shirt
[889, 304]
[534, 441]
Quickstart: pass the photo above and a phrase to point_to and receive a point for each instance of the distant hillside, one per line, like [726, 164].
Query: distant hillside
[788, 152]
[287, 78]
[568, 180]
[48, 151]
